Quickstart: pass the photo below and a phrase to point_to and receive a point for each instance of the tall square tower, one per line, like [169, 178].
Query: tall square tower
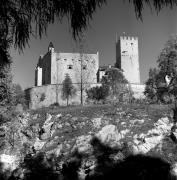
[127, 58]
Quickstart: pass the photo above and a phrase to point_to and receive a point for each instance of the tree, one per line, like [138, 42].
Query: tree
[157, 4]
[116, 82]
[21, 19]
[5, 85]
[97, 93]
[151, 86]
[18, 95]
[68, 89]
[156, 85]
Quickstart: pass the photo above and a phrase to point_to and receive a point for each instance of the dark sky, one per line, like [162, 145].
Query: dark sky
[115, 17]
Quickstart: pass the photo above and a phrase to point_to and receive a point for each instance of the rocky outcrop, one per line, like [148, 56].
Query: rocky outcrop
[63, 134]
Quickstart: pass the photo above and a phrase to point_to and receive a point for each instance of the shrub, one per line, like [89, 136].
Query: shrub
[18, 95]
[97, 93]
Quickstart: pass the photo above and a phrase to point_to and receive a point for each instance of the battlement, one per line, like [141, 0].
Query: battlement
[128, 38]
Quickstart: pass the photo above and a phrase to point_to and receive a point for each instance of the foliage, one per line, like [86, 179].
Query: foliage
[68, 89]
[157, 4]
[21, 19]
[18, 95]
[5, 85]
[151, 86]
[97, 93]
[127, 166]
[118, 86]
[157, 88]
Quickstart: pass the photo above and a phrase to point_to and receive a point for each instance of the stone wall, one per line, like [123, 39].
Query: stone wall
[70, 63]
[44, 96]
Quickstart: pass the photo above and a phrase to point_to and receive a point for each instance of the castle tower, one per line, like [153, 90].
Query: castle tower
[51, 47]
[127, 58]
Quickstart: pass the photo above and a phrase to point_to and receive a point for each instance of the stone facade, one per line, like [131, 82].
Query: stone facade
[53, 67]
[127, 58]
[83, 69]
[46, 95]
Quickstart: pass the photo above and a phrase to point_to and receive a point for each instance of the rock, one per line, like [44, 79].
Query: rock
[139, 121]
[109, 135]
[47, 127]
[83, 144]
[143, 143]
[57, 151]
[173, 134]
[58, 116]
[174, 169]
[10, 162]
[38, 145]
[96, 122]
[48, 119]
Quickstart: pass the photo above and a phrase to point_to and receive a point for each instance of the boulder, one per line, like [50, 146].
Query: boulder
[38, 145]
[82, 144]
[96, 122]
[9, 162]
[109, 135]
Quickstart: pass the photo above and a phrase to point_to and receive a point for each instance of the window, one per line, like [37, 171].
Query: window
[65, 59]
[84, 67]
[70, 66]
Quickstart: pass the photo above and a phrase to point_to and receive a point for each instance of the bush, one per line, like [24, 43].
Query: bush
[97, 93]
[18, 96]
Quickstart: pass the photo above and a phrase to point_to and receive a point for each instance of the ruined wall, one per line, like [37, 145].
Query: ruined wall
[70, 63]
[127, 56]
[44, 96]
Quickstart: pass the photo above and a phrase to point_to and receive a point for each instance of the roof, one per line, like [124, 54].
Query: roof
[51, 45]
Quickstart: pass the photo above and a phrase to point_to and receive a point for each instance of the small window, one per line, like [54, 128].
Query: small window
[65, 59]
[72, 59]
[84, 66]
[79, 60]
[70, 66]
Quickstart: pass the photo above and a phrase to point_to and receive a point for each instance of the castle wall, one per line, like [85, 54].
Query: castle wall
[43, 70]
[38, 76]
[70, 63]
[127, 55]
[44, 96]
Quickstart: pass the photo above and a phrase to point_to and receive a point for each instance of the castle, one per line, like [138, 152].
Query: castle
[53, 67]
[83, 68]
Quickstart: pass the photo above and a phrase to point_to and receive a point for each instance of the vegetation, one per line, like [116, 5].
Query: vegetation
[118, 86]
[68, 89]
[142, 167]
[19, 20]
[5, 85]
[157, 88]
[97, 93]
[18, 95]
